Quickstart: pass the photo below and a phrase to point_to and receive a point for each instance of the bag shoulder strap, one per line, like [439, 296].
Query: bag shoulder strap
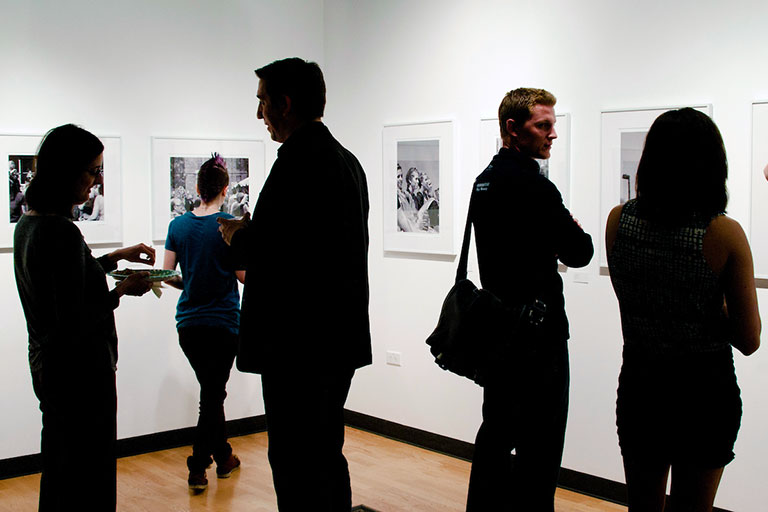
[461, 270]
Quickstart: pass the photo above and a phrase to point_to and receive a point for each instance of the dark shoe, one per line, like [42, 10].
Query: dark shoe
[225, 469]
[197, 481]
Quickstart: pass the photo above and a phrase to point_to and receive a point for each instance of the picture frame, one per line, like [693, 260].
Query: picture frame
[175, 162]
[758, 230]
[557, 168]
[622, 140]
[419, 188]
[101, 227]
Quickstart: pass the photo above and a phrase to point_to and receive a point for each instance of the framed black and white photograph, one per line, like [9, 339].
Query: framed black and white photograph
[99, 218]
[758, 233]
[175, 163]
[623, 138]
[556, 167]
[419, 188]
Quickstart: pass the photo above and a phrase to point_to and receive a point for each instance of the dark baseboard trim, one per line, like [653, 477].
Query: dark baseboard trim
[28, 464]
[410, 435]
[590, 485]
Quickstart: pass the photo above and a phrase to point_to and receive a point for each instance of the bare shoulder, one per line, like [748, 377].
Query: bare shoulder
[727, 231]
[725, 241]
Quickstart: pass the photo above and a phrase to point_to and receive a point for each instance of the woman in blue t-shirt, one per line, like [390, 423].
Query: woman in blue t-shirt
[207, 315]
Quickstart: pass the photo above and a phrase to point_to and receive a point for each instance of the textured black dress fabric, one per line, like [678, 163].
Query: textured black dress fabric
[678, 399]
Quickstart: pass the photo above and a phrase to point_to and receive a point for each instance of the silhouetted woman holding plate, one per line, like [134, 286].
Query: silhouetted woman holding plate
[69, 311]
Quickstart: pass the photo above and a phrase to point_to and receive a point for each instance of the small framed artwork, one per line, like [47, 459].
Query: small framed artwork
[99, 218]
[623, 138]
[175, 163]
[556, 167]
[418, 188]
[758, 237]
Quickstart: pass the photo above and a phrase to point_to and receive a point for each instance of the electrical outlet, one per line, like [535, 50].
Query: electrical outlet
[393, 358]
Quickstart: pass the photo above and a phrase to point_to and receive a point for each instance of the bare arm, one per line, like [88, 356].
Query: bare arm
[726, 248]
[169, 263]
[611, 228]
[139, 253]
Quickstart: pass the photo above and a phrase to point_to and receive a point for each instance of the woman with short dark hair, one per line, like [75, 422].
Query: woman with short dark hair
[69, 313]
[682, 272]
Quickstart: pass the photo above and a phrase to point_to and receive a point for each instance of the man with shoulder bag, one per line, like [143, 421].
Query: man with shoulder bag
[522, 229]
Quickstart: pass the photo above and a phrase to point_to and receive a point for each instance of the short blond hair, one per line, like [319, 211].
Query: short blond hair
[518, 104]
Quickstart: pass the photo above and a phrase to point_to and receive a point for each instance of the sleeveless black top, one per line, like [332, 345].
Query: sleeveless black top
[671, 301]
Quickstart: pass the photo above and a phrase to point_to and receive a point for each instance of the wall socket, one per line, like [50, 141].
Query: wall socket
[393, 358]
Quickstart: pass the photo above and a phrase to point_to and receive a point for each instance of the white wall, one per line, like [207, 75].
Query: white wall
[148, 68]
[401, 61]
[137, 69]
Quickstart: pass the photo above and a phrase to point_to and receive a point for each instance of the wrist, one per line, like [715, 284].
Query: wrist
[115, 256]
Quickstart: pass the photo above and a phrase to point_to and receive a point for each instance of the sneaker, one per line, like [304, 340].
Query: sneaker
[197, 481]
[225, 469]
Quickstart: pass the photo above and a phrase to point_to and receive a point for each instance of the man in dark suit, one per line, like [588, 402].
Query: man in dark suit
[522, 229]
[304, 322]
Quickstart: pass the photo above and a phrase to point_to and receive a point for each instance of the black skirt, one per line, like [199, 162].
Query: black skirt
[678, 410]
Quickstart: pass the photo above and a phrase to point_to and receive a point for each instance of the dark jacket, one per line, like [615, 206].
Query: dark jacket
[522, 229]
[305, 303]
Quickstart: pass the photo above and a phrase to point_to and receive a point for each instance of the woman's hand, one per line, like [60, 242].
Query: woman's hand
[139, 253]
[135, 284]
[228, 227]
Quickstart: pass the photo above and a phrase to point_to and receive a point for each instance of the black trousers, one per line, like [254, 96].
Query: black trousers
[77, 442]
[525, 410]
[305, 425]
[211, 352]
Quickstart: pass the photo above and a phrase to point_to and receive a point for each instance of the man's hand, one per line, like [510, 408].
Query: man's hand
[228, 227]
[139, 253]
[135, 284]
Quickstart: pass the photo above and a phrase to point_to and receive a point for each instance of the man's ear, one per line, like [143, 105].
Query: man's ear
[511, 127]
[285, 110]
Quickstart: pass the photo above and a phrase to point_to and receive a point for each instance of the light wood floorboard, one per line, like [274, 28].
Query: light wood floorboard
[387, 475]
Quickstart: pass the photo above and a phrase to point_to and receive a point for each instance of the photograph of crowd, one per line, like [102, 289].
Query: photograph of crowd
[631, 148]
[184, 195]
[21, 168]
[418, 186]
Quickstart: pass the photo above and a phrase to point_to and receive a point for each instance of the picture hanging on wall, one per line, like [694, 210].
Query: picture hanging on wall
[175, 163]
[623, 138]
[758, 238]
[99, 218]
[556, 167]
[419, 188]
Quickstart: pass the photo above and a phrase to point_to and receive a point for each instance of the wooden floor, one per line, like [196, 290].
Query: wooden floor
[387, 475]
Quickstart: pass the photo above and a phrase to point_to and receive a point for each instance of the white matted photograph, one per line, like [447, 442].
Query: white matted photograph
[175, 163]
[556, 167]
[758, 232]
[99, 218]
[419, 188]
[623, 138]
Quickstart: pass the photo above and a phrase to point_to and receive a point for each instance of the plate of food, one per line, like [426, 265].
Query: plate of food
[155, 274]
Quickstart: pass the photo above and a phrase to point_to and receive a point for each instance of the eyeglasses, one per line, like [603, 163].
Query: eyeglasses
[96, 171]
